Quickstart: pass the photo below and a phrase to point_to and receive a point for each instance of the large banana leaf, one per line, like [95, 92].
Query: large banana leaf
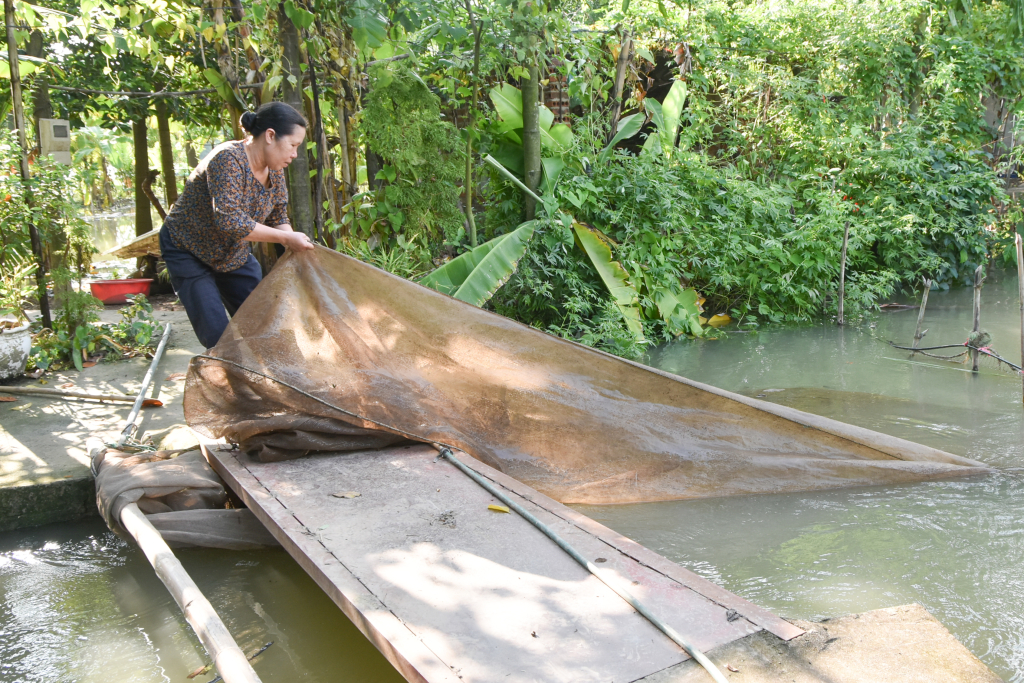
[508, 102]
[628, 127]
[449, 277]
[613, 275]
[475, 276]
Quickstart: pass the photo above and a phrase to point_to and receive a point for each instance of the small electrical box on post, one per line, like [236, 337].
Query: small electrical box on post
[55, 139]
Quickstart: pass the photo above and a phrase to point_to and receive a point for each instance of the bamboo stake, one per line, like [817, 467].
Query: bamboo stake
[130, 427]
[66, 393]
[1020, 287]
[978, 279]
[227, 656]
[842, 272]
[918, 334]
[19, 123]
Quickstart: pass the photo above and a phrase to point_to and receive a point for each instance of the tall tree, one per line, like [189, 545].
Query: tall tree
[143, 217]
[166, 153]
[531, 136]
[299, 188]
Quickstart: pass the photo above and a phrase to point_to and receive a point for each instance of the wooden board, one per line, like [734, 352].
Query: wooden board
[143, 245]
[451, 591]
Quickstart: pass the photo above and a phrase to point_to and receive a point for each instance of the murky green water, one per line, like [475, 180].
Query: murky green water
[79, 604]
[957, 547]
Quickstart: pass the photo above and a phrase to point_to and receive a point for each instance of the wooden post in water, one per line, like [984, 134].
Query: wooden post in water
[978, 279]
[1020, 287]
[842, 273]
[918, 334]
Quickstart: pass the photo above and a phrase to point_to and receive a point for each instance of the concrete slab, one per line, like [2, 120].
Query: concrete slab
[449, 590]
[42, 439]
[899, 645]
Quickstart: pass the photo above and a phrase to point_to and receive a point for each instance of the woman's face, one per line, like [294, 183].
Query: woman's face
[281, 149]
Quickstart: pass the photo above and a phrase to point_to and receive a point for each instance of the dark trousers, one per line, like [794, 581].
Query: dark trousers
[204, 292]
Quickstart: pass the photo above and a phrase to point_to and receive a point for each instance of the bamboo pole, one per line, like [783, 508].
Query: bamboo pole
[130, 427]
[19, 123]
[842, 273]
[67, 393]
[227, 656]
[978, 279]
[918, 334]
[1020, 287]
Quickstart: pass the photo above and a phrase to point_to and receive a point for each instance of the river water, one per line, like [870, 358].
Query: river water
[79, 604]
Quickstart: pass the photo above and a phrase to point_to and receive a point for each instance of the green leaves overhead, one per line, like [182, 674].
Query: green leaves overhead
[475, 276]
[302, 18]
[224, 89]
[612, 274]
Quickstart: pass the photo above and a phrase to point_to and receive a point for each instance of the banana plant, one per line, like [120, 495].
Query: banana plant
[612, 274]
[555, 138]
[666, 116]
[475, 276]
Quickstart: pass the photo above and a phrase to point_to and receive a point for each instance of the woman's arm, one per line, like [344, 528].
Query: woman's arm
[282, 234]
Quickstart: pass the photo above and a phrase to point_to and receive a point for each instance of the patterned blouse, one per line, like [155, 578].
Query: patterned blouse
[220, 206]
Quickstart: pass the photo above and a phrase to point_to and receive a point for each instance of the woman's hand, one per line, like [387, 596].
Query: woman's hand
[296, 241]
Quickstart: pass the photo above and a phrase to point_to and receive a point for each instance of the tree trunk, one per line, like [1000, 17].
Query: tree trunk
[471, 124]
[143, 217]
[531, 138]
[190, 156]
[227, 68]
[41, 107]
[166, 154]
[19, 123]
[108, 188]
[625, 51]
[299, 188]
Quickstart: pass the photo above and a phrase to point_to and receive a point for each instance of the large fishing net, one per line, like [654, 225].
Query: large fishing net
[332, 355]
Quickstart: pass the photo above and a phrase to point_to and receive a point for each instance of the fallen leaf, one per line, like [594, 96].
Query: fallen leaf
[347, 494]
[35, 374]
[43, 381]
[174, 377]
[497, 508]
[600, 560]
[732, 668]
[152, 403]
[22, 407]
[719, 320]
[4, 398]
[89, 364]
[67, 385]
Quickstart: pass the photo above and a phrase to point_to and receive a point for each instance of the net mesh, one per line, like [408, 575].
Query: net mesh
[399, 362]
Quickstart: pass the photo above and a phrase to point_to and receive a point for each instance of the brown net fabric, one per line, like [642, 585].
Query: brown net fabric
[577, 424]
[180, 495]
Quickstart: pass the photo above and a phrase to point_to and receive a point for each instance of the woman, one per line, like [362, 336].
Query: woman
[236, 195]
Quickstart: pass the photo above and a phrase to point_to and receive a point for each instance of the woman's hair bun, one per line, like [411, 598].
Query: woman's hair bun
[248, 120]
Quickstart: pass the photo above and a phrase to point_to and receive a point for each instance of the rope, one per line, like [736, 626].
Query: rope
[446, 452]
[984, 350]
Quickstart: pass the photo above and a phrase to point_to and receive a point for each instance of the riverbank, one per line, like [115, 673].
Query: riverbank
[44, 464]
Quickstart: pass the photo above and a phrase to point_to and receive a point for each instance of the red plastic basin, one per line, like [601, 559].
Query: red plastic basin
[113, 291]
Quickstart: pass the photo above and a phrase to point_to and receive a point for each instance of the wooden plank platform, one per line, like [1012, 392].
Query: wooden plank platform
[450, 591]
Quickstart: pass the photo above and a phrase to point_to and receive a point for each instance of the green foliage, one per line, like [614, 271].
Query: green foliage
[423, 155]
[16, 287]
[476, 275]
[78, 335]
